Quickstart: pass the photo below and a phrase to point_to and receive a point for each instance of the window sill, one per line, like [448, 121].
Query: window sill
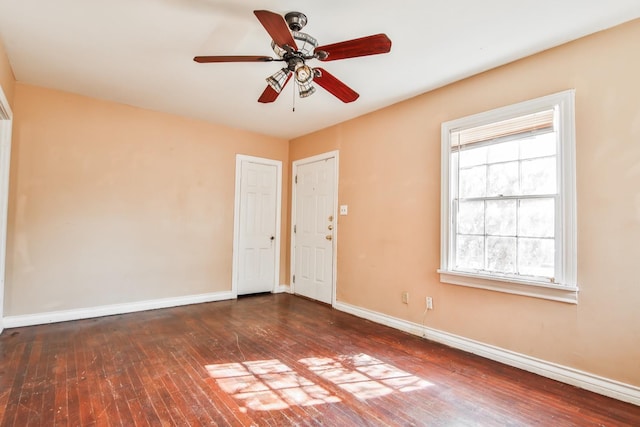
[567, 294]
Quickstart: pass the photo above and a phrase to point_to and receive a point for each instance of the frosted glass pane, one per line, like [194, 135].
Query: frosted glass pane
[538, 146]
[471, 218]
[536, 218]
[473, 182]
[470, 252]
[501, 217]
[539, 176]
[473, 157]
[503, 152]
[501, 254]
[503, 179]
[536, 257]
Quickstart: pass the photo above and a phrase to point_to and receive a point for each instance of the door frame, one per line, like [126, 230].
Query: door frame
[294, 172]
[240, 159]
[6, 122]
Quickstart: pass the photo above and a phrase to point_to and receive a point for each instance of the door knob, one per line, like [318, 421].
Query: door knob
[330, 227]
[328, 237]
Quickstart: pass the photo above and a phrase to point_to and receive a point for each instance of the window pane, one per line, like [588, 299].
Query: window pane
[473, 182]
[539, 176]
[536, 257]
[473, 157]
[501, 254]
[503, 152]
[470, 252]
[471, 217]
[501, 217]
[536, 218]
[503, 179]
[538, 146]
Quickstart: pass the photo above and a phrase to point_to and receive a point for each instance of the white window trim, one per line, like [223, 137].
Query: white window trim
[565, 289]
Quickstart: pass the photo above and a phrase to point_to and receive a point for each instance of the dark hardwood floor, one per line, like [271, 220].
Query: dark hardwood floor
[273, 360]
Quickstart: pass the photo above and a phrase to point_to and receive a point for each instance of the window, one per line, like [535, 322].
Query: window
[508, 199]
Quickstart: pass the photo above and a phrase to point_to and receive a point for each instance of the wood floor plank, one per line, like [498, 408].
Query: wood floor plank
[17, 369]
[86, 412]
[270, 360]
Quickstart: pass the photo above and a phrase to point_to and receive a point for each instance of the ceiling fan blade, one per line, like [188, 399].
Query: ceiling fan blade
[334, 86]
[232, 58]
[364, 46]
[276, 27]
[270, 94]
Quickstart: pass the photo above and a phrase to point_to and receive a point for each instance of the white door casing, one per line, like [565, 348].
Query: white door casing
[314, 227]
[256, 258]
[6, 120]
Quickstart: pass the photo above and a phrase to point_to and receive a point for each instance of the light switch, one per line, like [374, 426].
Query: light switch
[344, 209]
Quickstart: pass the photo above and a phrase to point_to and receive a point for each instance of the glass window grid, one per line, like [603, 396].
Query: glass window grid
[456, 153]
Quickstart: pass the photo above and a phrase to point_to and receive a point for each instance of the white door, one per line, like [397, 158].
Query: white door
[5, 157]
[314, 228]
[257, 227]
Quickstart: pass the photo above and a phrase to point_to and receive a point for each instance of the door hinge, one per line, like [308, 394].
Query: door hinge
[294, 278]
[295, 228]
[296, 179]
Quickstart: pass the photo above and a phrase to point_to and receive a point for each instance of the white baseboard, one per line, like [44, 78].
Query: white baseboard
[109, 310]
[282, 288]
[607, 387]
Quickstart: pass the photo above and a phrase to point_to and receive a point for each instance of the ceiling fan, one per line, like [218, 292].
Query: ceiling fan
[285, 45]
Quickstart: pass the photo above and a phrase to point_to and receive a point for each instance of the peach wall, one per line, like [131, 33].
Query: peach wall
[7, 79]
[113, 204]
[390, 178]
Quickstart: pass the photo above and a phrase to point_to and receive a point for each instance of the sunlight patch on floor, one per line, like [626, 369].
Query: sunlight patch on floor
[364, 376]
[267, 385]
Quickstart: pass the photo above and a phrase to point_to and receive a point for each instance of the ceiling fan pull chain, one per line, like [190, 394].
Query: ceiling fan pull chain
[294, 95]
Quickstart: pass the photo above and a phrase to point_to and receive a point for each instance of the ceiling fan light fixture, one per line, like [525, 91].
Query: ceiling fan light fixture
[305, 89]
[278, 80]
[306, 42]
[303, 73]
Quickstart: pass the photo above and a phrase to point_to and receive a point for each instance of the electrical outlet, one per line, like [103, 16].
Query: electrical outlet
[429, 303]
[405, 297]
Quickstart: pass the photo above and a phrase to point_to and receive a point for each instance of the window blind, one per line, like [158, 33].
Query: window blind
[535, 122]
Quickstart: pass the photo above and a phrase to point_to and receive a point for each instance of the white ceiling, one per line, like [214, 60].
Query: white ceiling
[139, 52]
